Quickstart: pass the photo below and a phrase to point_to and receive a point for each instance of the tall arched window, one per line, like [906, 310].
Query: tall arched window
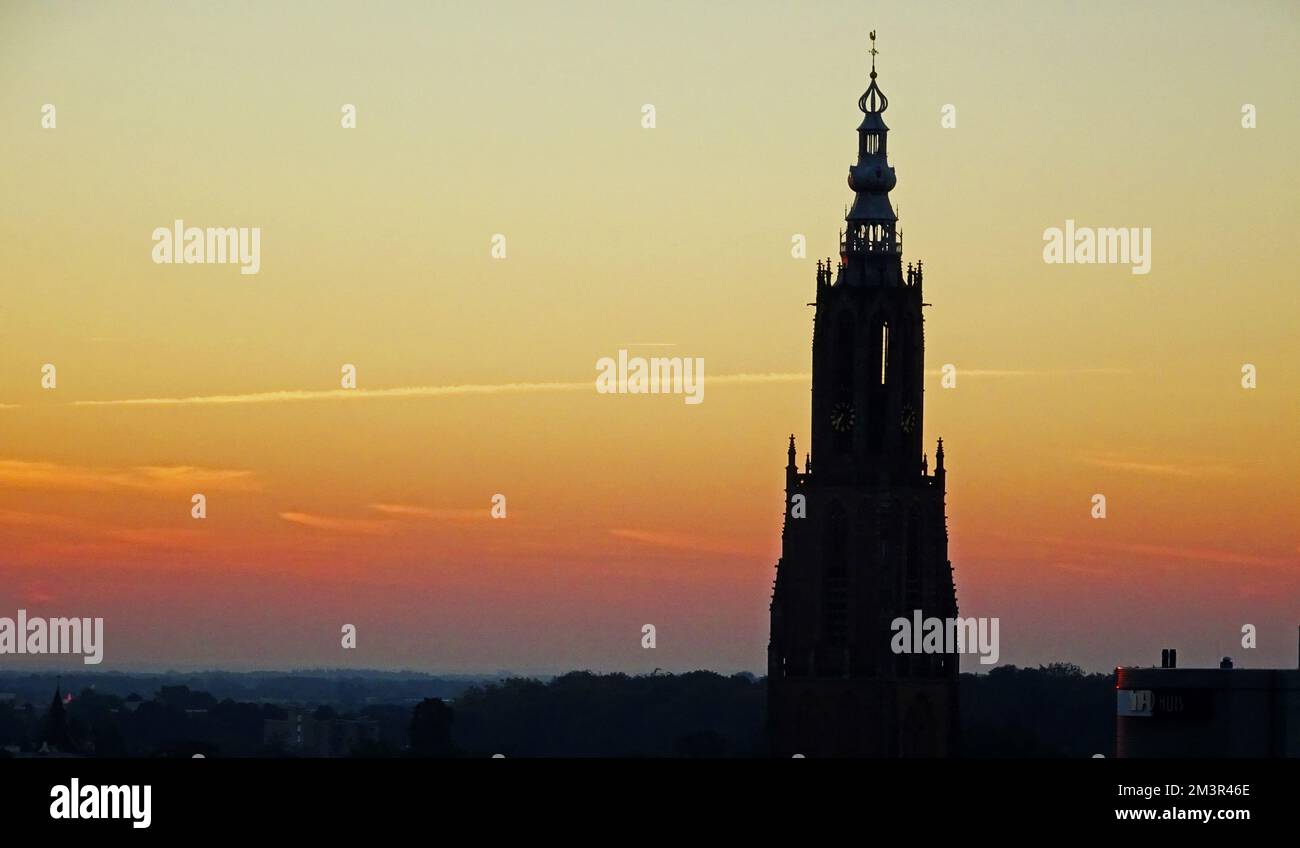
[884, 352]
[876, 395]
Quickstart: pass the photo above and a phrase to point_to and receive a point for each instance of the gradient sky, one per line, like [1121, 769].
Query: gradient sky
[525, 119]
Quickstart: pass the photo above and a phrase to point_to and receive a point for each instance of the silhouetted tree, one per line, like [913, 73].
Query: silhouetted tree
[1055, 710]
[582, 714]
[431, 729]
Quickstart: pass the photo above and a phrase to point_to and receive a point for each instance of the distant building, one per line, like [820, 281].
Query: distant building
[1207, 712]
[302, 734]
[57, 737]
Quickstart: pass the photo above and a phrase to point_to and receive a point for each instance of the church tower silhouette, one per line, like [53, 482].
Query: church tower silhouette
[865, 538]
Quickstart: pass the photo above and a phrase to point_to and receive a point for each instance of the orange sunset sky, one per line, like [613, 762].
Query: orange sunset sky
[476, 375]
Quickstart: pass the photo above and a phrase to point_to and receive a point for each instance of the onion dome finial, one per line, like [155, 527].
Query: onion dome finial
[873, 100]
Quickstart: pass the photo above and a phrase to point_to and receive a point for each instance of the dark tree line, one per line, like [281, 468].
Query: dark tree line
[1050, 711]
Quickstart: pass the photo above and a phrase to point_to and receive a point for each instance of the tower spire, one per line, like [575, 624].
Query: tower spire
[872, 222]
[837, 586]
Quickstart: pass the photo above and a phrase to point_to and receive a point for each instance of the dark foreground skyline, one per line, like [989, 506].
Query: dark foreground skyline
[1056, 711]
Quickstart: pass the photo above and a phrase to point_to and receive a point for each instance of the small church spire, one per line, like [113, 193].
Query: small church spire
[57, 736]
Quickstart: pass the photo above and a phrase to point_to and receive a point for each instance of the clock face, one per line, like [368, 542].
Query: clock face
[908, 422]
[842, 417]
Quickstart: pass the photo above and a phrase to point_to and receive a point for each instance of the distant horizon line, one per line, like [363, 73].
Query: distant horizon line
[500, 674]
[100, 671]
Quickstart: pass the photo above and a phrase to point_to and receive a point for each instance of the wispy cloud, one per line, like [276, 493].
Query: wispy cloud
[1082, 569]
[1184, 553]
[458, 390]
[168, 478]
[51, 533]
[42, 520]
[681, 541]
[394, 517]
[1030, 372]
[290, 396]
[442, 514]
[358, 526]
[157, 537]
[1202, 554]
[299, 395]
[403, 509]
[1191, 468]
